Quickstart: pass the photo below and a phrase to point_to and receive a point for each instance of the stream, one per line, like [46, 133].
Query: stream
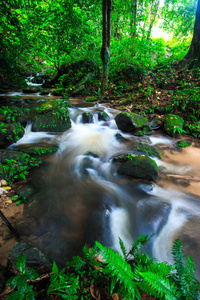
[81, 198]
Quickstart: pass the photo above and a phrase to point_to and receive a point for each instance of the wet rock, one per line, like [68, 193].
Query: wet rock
[10, 133]
[52, 121]
[44, 92]
[26, 191]
[34, 259]
[38, 149]
[120, 138]
[48, 106]
[57, 92]
[140, 166]
[184, 143]
[103, 116]
[156, 123]
[151, 216]
[173, 124]
[146, 130]
[16, 155]
[87, 117]
[130, 122]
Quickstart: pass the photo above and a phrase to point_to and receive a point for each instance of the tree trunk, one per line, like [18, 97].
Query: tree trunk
[105, 50]
[134, 15]
[153, 14]
[192, 58]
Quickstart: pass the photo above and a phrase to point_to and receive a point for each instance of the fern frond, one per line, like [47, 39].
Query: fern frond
[178, 257]
[138, 244]
[158, 286]
[121, 270]
[162, 269]
[122, 247]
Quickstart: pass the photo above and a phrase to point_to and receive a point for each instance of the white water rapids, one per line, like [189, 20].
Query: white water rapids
[82, 198]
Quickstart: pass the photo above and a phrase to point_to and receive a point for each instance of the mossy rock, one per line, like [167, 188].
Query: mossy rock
[52, 122]
[92, 99]
[10, 133]
[87, 117]
[173, 125]
[49, 105]
[184, 143]
[140, 166]
[39, 149]
[34, 259]
[44, 92]
[57, 92]
[25, 191]
[130, 122]
[18, 156]
[103, 116]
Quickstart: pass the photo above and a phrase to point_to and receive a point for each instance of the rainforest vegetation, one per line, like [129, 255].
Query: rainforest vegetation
[143, 56]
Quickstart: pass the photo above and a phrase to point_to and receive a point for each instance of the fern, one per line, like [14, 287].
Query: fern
[158, 286]
[185, 274]
[123, 249]
[121, 270]
[178, 257]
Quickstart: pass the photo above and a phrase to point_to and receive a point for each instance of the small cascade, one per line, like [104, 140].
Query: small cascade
[82, 198]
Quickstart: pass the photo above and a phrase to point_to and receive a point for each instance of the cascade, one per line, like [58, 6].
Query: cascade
[81, 197]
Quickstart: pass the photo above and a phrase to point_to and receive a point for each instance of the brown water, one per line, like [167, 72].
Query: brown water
[81, 198]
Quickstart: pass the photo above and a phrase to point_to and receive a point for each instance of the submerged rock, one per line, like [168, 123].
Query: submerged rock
[139, 166]
[173, 124]
[34, 259]
[130, 122]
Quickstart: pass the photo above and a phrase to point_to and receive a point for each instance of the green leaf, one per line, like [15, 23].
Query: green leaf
[31, 274]
[55, 268]
[21, 263]
[15, 296]
[22, 284]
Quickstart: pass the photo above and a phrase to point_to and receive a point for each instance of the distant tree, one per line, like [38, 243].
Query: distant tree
[193, 55]
[105, 50]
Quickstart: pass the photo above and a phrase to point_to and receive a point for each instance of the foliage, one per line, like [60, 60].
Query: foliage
[18, 168]
[124, 276]
[24, 290]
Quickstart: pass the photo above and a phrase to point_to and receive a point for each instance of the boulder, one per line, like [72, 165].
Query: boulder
[10, 133]
[130, 122]
[87, 117]
[173, 125]
[103, 116]
[35, 259]
[140, 166]
[25, 191]
[57, 120]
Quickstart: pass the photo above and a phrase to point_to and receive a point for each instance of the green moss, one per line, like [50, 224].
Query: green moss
[173, 124]
[184, 143]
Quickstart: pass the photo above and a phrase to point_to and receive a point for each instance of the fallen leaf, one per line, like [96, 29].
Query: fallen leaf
[115, 296]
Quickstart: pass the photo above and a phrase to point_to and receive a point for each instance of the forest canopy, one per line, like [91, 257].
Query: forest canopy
[40, 35]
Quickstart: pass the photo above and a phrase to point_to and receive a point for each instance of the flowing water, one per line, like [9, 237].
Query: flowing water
[81, 198]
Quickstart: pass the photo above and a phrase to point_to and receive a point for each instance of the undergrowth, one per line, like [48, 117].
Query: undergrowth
[102, 273]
